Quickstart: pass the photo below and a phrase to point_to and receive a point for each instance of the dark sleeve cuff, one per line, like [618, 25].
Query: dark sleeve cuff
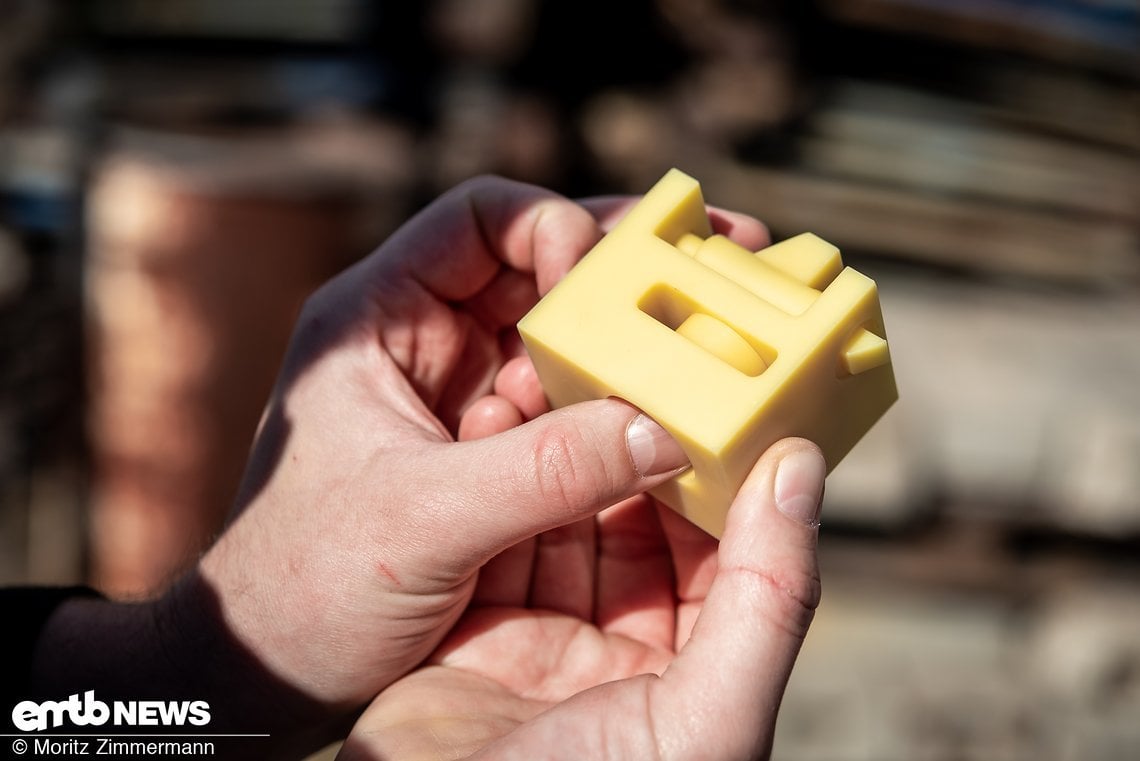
[25, 611]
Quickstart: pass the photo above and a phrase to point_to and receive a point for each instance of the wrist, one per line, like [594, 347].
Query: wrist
[206, 656]
[172, 649]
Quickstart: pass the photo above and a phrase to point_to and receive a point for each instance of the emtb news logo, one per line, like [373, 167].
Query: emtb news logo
[30, 716]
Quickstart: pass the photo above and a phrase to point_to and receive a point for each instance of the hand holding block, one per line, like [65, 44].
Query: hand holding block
[727, 349]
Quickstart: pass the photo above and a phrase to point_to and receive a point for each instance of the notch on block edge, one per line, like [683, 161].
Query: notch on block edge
[728, 349]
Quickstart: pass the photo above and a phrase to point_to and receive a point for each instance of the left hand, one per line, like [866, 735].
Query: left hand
[608, 663]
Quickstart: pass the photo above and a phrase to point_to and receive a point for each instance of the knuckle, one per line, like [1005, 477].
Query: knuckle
[568, 473]
[483, 180]
[312, 324]
[787, 599]
[317, 324]
[480, 186]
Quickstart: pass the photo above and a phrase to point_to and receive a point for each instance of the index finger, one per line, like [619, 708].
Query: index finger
[456, 245]
[741, 228]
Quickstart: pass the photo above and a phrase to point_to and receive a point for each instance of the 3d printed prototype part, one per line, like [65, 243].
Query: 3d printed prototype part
[728, 349]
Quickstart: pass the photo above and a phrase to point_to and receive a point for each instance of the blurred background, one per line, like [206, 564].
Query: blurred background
[176, 177]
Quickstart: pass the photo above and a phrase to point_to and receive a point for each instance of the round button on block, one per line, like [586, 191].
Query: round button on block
[722, 342]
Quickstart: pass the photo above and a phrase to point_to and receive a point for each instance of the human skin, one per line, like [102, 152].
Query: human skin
[410, 505]
[660, 644]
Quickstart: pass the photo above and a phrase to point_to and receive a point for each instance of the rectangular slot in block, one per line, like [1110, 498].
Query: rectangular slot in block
[706, 329]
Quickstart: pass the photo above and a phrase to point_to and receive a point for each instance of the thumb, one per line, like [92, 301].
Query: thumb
[558, 468]
[737, 662]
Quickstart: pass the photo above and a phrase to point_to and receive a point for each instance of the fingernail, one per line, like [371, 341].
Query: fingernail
[799, 486]
[651, 449]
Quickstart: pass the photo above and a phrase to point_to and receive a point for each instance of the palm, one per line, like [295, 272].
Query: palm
[524, 662]
[625, 613]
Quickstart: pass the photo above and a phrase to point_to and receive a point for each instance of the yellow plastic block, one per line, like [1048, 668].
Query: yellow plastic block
[728, 349]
